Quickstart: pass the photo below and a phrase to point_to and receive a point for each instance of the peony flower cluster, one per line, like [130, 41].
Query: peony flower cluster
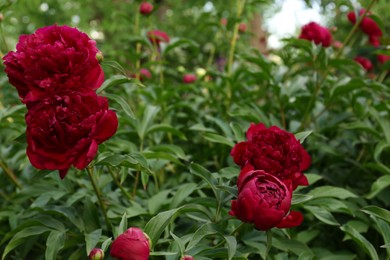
[317, 34]
[132, 245]
[271, 161]
[368, 26]
[56, 72]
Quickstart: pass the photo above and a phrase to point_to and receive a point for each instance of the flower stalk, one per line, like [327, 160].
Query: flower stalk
[10, 174]
[97, 192]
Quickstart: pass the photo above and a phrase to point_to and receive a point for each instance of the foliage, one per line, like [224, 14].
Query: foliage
[168, 168]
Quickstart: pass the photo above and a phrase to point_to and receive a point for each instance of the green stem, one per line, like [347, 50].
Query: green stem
[114, 177]
[138, 46]
[269, 243]
[10, 174]
[306, 116]
[97, 192]
[3, 38]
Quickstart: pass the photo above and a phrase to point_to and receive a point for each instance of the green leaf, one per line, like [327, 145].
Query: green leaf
[200, 233]
[385, 124]
[384, 229]
[323, 215]
[239, 133]
[166, 128]
[106, 244]
[125, 106]
[54, 243]
[380, 184]
[216, 138]
[91, 239]
[301, 136]
[231, 245]
[149, 115]
[113, 81]
[299, 198]
[158, 223]
[361, 241]
[182, 193]
[122, 225]
[179, 242]
[205, 175]
[181, 42]
[330, 191]
[377, 212]
[22, 236]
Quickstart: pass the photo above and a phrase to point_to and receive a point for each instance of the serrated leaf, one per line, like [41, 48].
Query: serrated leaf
[361, 241]
[54, 243]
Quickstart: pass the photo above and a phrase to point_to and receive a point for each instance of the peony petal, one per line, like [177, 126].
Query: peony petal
[293, 219]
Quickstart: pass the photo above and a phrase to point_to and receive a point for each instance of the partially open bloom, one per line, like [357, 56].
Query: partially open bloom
[263, 199]
[96, 254]
[66, 129]
[157, 36]
[145, 8]
[53, 58]
[131, 245]
[364, 62]
[275, 151]
[189, 78]
[317, 34]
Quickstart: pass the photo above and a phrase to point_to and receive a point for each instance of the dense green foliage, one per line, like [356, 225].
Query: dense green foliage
[168, 169]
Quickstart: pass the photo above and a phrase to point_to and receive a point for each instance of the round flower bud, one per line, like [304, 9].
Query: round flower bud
[134, 244]
[96, 254]
[189, 78]
[145, 8]
[187, 257]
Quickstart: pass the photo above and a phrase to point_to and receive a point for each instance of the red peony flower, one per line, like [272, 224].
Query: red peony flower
[293, 219]
[131, 245]
[368, 25]
[263, 199]
[374, 40]
[242, 27]
[143, 74]
[145, 8]
[275, 151]
[189, 78]
[53, 58]
[317, 34]
[364, 62]
[66, 129]
[187, 257]
[96, 254]
[383, 58]
[156, 36]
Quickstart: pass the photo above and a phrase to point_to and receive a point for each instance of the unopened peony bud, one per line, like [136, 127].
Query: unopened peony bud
[1, 17]
[145, 8]
[187, 257]
[96, 254]
[133, 244]
[223, 21]
[189, 78]
[99, 56]
[242, 27]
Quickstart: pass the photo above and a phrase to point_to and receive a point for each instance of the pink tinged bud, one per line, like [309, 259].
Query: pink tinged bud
[1, 17]
[223, 21]
[187, 257]
[189, 78]
[145, 8]
[364, 62]
[96, 254]
[134, 244]
[99, 56]
[242, 27]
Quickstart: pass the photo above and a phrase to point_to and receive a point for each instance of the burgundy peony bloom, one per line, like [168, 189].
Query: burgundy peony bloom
[96, 254]
[383, 58]
[364, 62]
[156, 36]
[317, 34]
[66, 129]
[293, 219]
[275, 151]
[368, 25]
[145, 8]
[53, 58]
[131, 245]
[189, 78]
[263, 199]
